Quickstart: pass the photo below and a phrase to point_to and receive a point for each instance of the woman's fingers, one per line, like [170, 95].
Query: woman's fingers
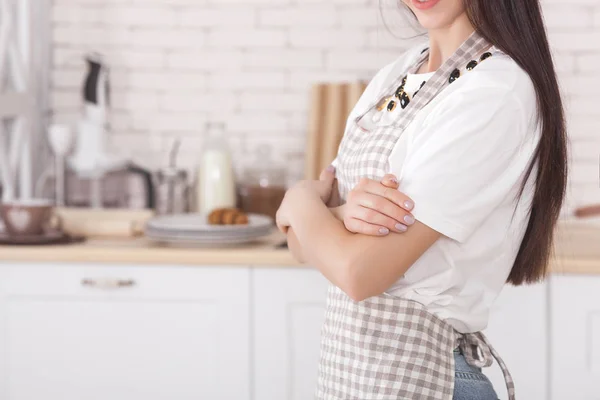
[357, 226]
[378, 205]
[392, 194]
[375, 217]
[328, 175]
[334, 200]
[390, 181]
[378, 208]
[326, 183]
[281, 222]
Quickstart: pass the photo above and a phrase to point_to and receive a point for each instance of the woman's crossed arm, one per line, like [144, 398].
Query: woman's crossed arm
[361, 265]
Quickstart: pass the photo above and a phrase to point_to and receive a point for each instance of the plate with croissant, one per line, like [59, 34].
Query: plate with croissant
[221, 226]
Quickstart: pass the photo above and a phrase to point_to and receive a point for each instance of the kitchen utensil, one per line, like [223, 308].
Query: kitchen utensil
[172, 191]
[215, 179]
[330, 107]
[61, 139]
[27, 217]
[263, 186]
[194, 229]
[113, 223]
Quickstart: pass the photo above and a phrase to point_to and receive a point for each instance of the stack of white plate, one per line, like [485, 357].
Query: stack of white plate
[195, 229]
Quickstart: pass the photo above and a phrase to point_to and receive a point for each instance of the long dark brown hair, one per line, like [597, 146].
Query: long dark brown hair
[517, 28]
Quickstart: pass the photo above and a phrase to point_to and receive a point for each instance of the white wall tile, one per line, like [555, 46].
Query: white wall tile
[176, 64]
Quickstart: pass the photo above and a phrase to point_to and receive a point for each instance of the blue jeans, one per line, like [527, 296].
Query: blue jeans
[470, 383]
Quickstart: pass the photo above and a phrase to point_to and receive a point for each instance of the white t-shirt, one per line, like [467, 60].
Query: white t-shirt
[462, 160]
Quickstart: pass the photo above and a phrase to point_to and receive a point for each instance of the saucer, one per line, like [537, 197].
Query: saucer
[51, 237]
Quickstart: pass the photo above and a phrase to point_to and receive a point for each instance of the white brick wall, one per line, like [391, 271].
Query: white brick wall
[179, 63]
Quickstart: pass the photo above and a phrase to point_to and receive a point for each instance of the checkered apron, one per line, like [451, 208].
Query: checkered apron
[387, 347]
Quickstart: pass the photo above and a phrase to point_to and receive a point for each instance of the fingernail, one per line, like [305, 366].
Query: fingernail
[409, 204]
[331, 168]
[409, 219]
[401, 228]
[394, 181]
[384, 231]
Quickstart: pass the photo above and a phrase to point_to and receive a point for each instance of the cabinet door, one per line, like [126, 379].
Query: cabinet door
[289, 310]
[123, 333]
[518, 330]
[575, 347]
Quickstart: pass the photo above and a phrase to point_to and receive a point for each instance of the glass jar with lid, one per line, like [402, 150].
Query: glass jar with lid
[263, 186]
[172, 191]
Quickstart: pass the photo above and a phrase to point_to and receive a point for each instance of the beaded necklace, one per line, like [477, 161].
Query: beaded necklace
[403, 98]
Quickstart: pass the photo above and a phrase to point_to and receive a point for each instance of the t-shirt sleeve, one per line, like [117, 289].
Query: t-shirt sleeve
[466, 160]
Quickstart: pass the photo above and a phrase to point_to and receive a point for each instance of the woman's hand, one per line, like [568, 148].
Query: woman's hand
[376, 208]
[322, 188]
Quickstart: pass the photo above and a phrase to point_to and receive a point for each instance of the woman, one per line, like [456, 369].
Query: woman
[472, 126]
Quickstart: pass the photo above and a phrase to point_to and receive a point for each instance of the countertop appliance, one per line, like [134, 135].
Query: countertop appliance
[131, 187]
[90, 159]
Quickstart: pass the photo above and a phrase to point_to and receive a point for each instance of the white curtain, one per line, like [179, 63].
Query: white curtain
[24, 46]
[42, 49]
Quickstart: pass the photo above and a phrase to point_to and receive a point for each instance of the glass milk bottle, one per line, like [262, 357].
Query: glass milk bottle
[216, 184]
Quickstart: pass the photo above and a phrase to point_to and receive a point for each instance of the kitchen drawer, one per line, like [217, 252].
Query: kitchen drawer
[71, 332]
[97, 280]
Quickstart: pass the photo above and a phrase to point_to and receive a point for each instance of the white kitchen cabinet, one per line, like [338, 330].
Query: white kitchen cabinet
[575, 332]
[166, 333]
[518, 330]
[289, 310]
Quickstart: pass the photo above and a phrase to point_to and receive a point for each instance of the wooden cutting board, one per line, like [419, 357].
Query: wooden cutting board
[315, 130]
[333, 130]
[106, 223]
[331, 105]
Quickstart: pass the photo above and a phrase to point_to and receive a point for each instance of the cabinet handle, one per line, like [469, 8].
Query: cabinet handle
[107, 283]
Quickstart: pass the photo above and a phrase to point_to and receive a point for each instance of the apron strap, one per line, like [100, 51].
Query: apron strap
[469, 49]
[480, 353]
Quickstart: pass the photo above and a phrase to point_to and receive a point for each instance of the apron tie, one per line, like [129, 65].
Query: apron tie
[480, 353]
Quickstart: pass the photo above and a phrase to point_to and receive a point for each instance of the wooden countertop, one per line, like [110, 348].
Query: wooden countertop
[577, 250]
[142, 251]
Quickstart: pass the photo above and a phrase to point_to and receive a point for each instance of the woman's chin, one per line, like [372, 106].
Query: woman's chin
[433, 22]
[441, 15]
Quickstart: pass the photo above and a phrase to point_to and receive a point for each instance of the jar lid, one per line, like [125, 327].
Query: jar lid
[263, 172]
[265, 177]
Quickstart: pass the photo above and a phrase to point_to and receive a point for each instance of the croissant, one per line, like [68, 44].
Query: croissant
[227, 216]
